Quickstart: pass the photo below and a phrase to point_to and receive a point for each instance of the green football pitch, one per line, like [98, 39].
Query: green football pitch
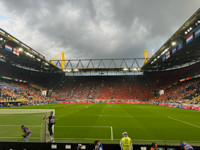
[106, 122]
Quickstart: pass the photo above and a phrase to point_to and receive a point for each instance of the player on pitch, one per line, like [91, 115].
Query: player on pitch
[27, 133]
[51, 123]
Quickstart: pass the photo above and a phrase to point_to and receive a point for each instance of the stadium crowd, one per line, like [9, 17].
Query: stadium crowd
[116, 88]
[107, 88]
[187, 92]
[19, 91]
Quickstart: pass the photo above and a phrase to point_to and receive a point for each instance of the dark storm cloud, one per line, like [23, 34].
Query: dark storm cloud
[95, 28]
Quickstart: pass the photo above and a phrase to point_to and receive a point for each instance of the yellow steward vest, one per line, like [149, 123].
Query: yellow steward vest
[126, 143]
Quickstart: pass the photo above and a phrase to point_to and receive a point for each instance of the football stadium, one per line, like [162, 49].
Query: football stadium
[63, 103]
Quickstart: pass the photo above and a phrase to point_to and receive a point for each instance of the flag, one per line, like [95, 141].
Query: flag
[189, 38]
[163, 58]
[197, 32]
[180, 45]
[174, 50]
[8, 47]
[167, 54]
[15, 51]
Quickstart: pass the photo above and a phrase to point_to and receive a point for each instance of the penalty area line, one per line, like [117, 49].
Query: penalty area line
[111, 131]
[184, 122]
[111, 128]
[18, 137]
[82, 126]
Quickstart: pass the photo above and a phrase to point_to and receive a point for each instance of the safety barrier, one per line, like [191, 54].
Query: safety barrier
[73, 146]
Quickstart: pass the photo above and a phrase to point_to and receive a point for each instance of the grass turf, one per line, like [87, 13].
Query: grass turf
[144, 123]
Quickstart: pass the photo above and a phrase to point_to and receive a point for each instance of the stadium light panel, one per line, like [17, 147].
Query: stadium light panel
[67, 70]
[133, 69]
[190, 28]
[165, 51]
[76, 70]
[20, 49]
[30, 55]
[125, 69]
[186, 32]
[173, 43]
[46, 64]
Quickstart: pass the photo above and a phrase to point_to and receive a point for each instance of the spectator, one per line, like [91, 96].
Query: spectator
[79, 146]
[153, 146]
[185, 146]
[98, 145]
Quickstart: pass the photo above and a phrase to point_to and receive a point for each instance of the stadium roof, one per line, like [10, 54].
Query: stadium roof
[176, 51]
[17, 53]
[117, 66]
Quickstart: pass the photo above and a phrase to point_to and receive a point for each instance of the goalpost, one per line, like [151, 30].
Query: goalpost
[12, 119]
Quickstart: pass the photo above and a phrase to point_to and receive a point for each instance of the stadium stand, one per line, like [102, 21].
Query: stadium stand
[183, 92]
[106, 88]
[18, 91]
[163, 79]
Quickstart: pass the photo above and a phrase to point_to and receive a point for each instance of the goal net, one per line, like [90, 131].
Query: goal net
[12, 119]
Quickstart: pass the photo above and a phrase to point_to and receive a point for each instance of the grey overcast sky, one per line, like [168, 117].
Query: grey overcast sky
[94, 28]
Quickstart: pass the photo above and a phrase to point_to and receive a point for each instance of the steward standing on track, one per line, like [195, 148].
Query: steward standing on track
[126, 142]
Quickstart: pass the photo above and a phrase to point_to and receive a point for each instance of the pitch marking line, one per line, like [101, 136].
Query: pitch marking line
[19, 125]
[184, 122]
[111, 128]
[84, 126]
[81, 139]
[128, 116]
[138, 140]
[18, 137]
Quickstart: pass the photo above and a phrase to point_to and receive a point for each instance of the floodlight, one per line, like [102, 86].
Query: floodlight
[46, 64]
[173, 43]
[125, 69]
[76, 69]
[186, 32]
[20, 49]
[67, 70]
[190, 28]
